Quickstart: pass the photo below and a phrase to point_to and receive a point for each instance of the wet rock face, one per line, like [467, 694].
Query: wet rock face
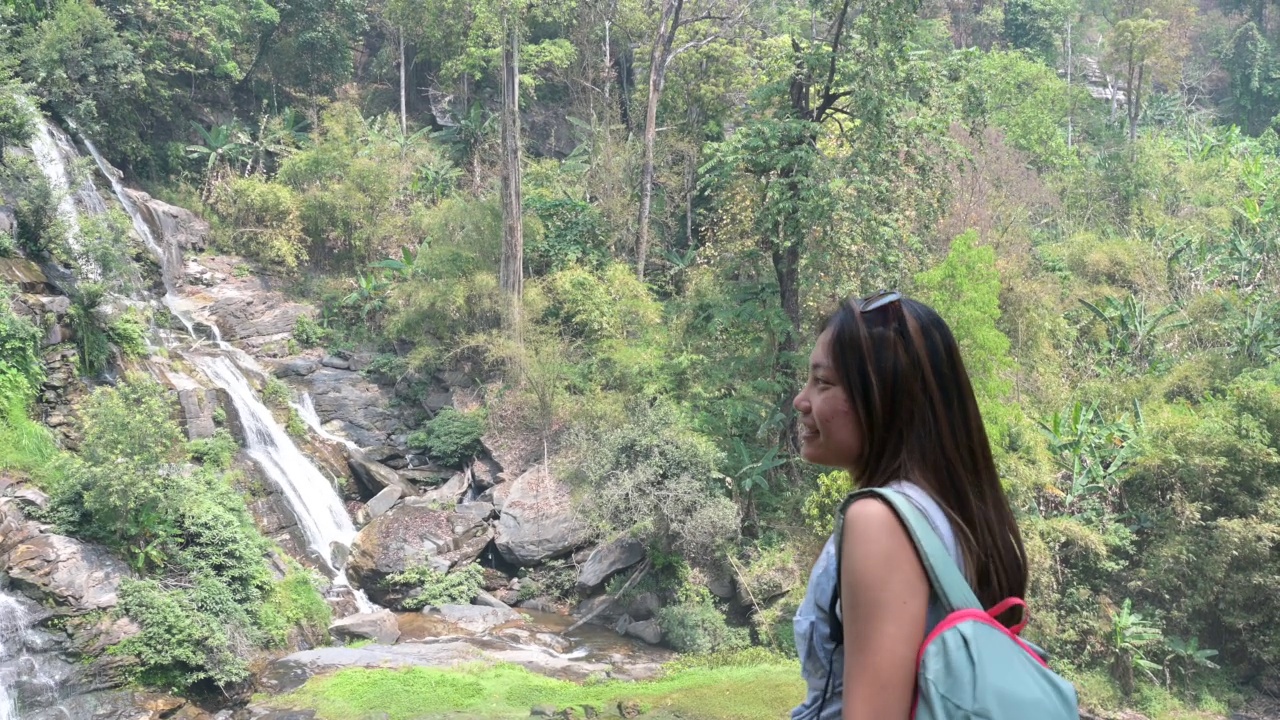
[351, 406]
[77, 575]
[380, 627]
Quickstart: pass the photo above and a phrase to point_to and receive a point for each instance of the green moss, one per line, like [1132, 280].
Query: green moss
[731, 692]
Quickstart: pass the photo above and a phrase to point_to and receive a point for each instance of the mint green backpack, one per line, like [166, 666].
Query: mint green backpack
[970, 666]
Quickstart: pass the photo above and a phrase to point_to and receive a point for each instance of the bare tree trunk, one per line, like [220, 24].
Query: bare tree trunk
[404, 116]
[511, 276]
[663, 37]
[1135, 102]
[1070, 98]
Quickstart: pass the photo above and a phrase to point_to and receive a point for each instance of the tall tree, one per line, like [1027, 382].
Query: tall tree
[672, 18]
[1147, 44]
[844, 134]
[511, 275]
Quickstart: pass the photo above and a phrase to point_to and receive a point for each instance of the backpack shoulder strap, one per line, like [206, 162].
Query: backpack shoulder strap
[946, 580]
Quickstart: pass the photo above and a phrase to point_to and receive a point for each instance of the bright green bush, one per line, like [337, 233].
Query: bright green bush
[451, 437]
[428, 587]
[261, 220]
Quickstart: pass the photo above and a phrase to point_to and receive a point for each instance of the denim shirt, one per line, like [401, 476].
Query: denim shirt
[819, 656]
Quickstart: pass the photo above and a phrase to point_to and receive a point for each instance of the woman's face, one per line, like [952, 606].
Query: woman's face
[829, 430]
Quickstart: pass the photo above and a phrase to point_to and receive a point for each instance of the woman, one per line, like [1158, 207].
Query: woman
[888, 400]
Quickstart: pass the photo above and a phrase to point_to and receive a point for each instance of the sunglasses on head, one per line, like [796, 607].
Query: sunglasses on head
[879, 300]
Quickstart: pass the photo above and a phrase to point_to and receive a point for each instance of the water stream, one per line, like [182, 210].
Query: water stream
[51, 148]
[21, 673]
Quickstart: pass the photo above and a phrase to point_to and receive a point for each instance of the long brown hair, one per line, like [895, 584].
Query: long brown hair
[919, 418]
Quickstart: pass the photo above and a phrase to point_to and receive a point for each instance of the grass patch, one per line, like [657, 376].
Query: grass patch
[736, 692]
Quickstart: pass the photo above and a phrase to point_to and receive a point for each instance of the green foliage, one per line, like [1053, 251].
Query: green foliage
[656, 478]
[309, 332]
[216, 452]
[821, 505]
[1034, 25]
[276, 394]
[451, 437]
[295, 602]
[8, 245]
[181, 642]
[610, 306]
[262, 220]
[574, 233]
[20, 362]
[732, 690]
[15, 120]
[698, 627]
[36, 212]
[128, 331]
[965, 290]
[429, 587]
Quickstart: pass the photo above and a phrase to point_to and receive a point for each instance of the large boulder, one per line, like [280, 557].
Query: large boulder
[25, 274]
[412, 536]
[80, 576]
[607, 560]
[351, 406]
[376, 477]
[475, 619]
[538, 521]
[196, 406]
[380, 627]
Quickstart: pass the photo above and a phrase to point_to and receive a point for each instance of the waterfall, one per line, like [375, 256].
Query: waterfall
[50, 147]
[321, 516]
[19, 671]
[307, 411]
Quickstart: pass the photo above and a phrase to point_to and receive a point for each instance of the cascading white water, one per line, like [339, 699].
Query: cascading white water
[321, 516]
[170, 257]
[323, 519]
[307, 411]
[50, 147]
[15, 622]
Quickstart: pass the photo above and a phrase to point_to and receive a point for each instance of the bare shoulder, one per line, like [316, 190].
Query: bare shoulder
[875, 539]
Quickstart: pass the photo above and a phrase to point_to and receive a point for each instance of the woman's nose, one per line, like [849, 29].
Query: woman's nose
[800, 403]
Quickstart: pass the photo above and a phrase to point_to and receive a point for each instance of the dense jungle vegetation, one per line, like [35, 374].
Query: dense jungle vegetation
[1087, 191]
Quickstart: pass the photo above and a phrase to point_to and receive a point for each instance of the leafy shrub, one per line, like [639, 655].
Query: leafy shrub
[309, 332]
[129, 333]
[262, 221]
[451, 437]
[92, 340]
[19, 348]
[821, 505]
[555, 579]
[275, 393]
[656, 478]
[181, 643]
[574, 234]
[217, 451]
[697, 627]
[611, 305]
[431, 587]
[295, 602]
[8, 245]
[36, 212]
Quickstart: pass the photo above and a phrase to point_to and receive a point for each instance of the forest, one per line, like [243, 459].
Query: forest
[623, 223]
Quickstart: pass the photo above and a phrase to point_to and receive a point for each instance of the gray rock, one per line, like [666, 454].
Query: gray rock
[722, 586]
[297, 367]
[438, 401]
[75, 574]
[622, 624]
[350, 405]
[478, 510]
[476, 619]
[429, 475]
[486, 472]
[25, 274]
[272, 513]
[607, 616]
[337, 363]
[607, 560]
[196, 406]
[645, 606]
[383, 501]
[380, 627]
[408, 536]
[375, 476]
[537, 521]
[487, 600]
[647, 630]
[448, 494]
